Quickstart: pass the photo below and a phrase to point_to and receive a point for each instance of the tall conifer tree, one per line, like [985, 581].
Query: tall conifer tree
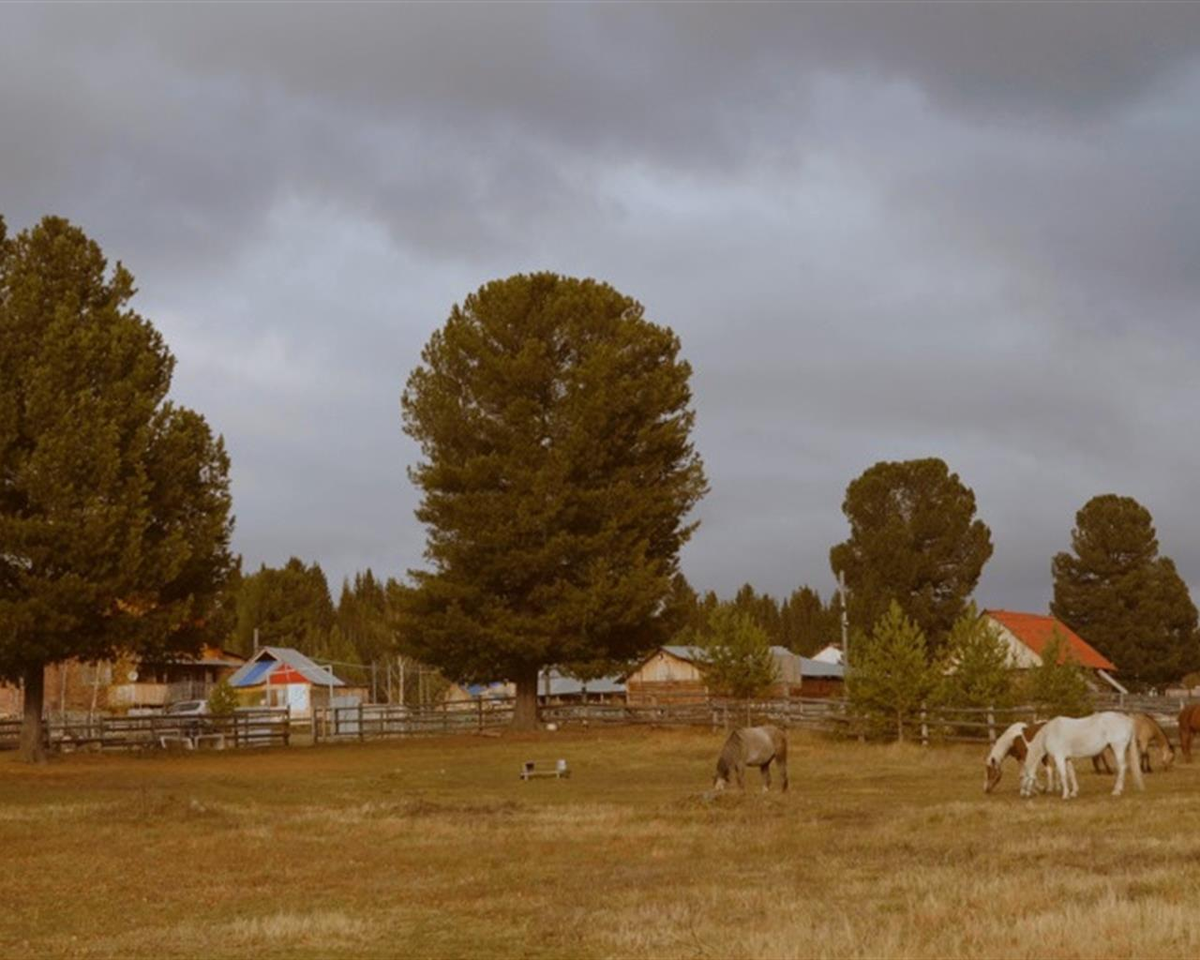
[557, 474]
[1122, 597]
[114, 503]
[914, 538]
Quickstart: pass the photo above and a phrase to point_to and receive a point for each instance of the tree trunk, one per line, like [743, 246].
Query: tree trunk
[525, 708]
[33, 748]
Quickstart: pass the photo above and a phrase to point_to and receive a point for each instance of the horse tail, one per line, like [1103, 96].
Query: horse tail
[1135, 759]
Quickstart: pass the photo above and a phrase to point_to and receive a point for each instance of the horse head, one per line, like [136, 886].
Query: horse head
[992, 776]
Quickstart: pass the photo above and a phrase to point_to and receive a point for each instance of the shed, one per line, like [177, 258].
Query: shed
[283, 677]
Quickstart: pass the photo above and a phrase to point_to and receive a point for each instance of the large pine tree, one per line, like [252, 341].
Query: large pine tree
[114, 503]
[1126, 600]
[557, 475]
[914, 539]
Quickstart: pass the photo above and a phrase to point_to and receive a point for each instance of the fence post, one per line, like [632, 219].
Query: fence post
[479, 712]
[361, 731]
[445, 719]
[924, 728]
[287, 726]
[991, 724]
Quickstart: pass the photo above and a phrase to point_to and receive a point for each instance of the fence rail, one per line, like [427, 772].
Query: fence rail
[244, 728]
[360, 722]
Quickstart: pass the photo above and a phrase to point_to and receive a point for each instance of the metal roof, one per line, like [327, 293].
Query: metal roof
[819, 668]
[564, 686]
[267, 659]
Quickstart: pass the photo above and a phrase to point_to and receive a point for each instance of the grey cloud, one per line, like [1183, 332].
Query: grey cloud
[881, 231]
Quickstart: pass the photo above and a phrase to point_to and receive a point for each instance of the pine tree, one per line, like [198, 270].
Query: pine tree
[1130, 603]
[975, 669]
[890, 676]
[738, 661]
[1058, 686]
[806, 624]
[289, 606]
[114, 503]
[557, 473]
[913, 539]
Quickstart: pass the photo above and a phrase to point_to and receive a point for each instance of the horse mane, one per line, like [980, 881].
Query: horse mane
[1159, 735]
[1005, 741]
[730, 753]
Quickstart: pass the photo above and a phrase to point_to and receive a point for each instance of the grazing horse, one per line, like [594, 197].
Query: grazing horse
[1189, 726]
[1014, 742]
[1066, 737]
[752, 747]
[1148, 733]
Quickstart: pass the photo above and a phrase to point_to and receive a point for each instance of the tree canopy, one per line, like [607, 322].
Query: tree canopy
[914, 539]
[976, 668]
[558, 471]
[114, 503]
[1126, 600]
[290, 606]
[738, 660]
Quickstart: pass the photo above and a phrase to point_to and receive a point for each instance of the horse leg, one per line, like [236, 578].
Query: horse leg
[1061, 764]
[739, 770]
[783, 779]
[1074, 778]
[765, 769]
[1135, 757]
[1121, 755]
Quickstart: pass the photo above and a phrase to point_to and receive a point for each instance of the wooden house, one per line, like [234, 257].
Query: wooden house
[675, 674]
[1027, 635]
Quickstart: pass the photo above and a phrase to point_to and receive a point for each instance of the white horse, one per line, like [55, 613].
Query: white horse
[1064, 738]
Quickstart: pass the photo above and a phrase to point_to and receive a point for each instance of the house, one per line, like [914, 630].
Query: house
[1027, 634]
[78, 687]
[674, 674]
[820, 678]
[156, 683]
[283, 677]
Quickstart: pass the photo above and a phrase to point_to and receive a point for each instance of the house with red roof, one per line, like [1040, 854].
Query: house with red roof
[1028, 634]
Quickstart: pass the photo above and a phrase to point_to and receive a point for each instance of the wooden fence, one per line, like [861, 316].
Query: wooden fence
[272, 727]
[245, 728]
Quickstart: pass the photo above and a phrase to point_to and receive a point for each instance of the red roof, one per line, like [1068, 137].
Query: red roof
[1035, 630]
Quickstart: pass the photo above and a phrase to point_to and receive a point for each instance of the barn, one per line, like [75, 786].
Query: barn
[1027, 634]
[674, 674]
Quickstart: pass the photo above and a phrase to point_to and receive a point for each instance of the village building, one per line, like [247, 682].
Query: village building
[554, 687]
[283, 677]
[675, 674]
[1027, 635]
[75, 687]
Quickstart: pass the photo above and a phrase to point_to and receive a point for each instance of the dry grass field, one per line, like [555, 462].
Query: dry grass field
[434, 848]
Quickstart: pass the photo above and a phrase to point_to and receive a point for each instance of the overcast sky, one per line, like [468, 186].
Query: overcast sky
[882, 232]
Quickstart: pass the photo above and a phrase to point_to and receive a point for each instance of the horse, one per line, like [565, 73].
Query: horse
[1014, 742]
[1066, 737]
[1148, 733]
[752, 747]
[1189, 726]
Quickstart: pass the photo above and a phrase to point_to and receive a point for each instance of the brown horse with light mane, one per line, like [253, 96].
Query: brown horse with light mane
[1013, 742]
[1189, 726]
[1148, 733]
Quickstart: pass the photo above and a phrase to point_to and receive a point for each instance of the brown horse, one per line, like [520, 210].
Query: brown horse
[1148, 732]
[1189, 726]
[1014, 742]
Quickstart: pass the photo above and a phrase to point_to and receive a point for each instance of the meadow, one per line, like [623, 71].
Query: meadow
[434, 848]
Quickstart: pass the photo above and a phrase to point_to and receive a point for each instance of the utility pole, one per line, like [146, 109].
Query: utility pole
[845, 621]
